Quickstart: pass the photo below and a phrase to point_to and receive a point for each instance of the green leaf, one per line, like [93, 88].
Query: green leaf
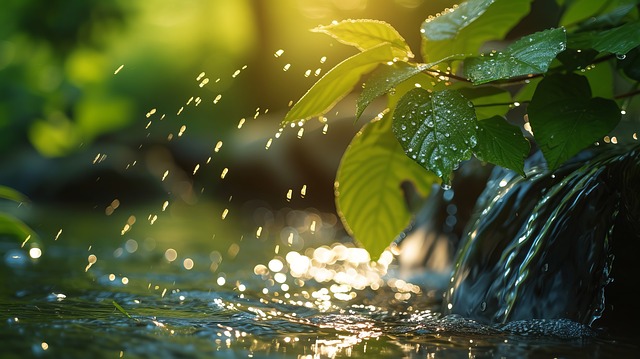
[529, 55]
[14, 227]
[578, 11]
[565, 118]
[619, 40]
[437, 130]
[11, 194]
[368, 195]
[365, 34]
[337, 83]
[613, 14]
[384, 79]
[631, 64]
[502, 143]
[468, 26]
[484, 100]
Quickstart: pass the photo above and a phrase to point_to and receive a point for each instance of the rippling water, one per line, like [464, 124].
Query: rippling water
[294, 287]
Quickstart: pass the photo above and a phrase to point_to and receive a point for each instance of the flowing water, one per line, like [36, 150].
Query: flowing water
[191, 284]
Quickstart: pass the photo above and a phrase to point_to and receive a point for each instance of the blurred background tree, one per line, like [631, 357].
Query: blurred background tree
[63, 106]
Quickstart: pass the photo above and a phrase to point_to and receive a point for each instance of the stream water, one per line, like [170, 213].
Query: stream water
[292, 285]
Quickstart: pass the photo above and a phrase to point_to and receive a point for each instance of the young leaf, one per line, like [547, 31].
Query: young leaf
[502, 143]
[337, 83]
[368, 195]
[619, 40]
[468, 26]
[529, 55]
[565, 118]
[437, 130]
[365, 34]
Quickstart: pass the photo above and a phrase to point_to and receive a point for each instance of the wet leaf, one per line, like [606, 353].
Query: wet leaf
[619, 40]
[502, 143]
[365, 34]
[368, 195]
[565, 118]
[531, 54]
[337, 83]
[468, 26]
[385, 79]
[437, 130]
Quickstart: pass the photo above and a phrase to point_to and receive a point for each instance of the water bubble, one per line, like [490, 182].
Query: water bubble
[621, 56]
[217, 99]
[204, 82]
[286, 67]
[218, 146]
[483, 306]
[224, 173]
[307, 73]
[200, 76]
[323, 59]
[317, 72]
[279, 53]
[118, 69]
[241, 123]
[266, 147]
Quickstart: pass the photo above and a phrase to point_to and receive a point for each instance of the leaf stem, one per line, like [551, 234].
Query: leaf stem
[627, 94]
[502, 104]
[435, 73]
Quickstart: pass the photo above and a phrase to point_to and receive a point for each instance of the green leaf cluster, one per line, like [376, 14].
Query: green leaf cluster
[455, 104]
